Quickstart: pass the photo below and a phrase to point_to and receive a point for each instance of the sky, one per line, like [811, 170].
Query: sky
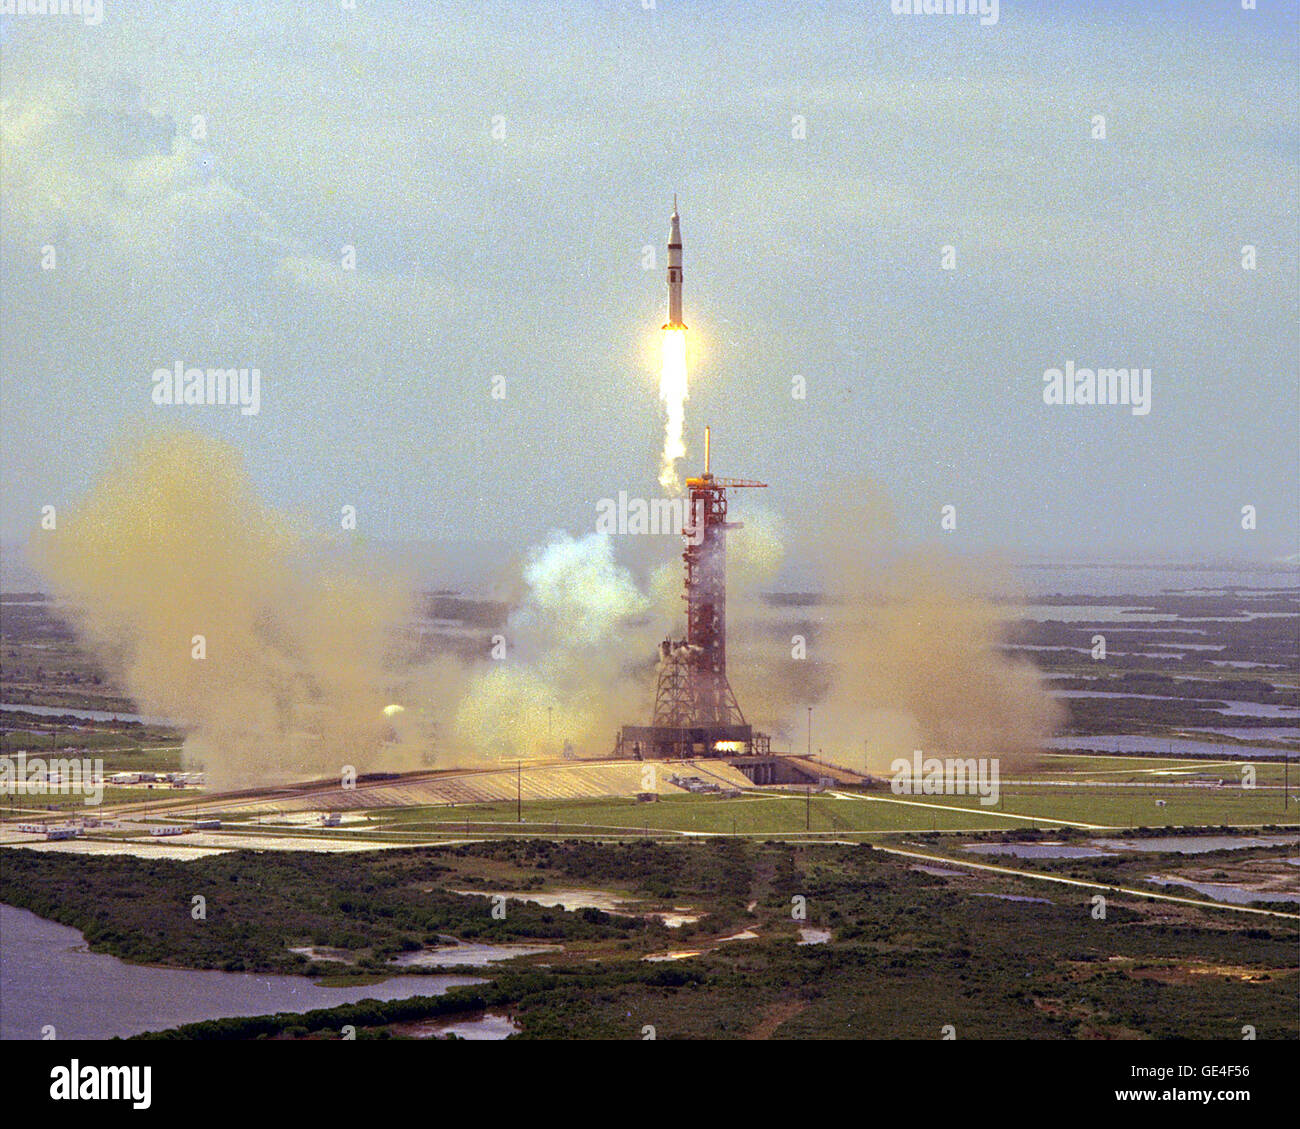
[504, 174]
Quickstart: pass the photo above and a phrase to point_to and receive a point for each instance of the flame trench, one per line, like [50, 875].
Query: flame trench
[673, 392]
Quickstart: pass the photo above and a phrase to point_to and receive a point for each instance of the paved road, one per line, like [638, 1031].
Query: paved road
[1040, 877]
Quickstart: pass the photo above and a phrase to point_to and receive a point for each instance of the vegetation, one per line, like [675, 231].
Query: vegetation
[909, 952]
[257, 905]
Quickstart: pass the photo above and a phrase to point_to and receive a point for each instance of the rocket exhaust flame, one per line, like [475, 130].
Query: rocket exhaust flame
[673, 392]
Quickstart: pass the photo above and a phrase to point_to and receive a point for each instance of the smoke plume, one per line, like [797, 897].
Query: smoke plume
[200, 602]
[206, 607]
[565, 669]
[908, 654]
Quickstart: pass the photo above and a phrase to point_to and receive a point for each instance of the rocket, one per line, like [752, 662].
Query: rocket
[675, 272]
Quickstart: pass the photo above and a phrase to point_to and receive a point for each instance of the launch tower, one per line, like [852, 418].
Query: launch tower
[695, 711]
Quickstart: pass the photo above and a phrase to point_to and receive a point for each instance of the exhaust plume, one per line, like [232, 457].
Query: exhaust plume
[197, 599]
[911, 655]
[564, 669]
[673, 392]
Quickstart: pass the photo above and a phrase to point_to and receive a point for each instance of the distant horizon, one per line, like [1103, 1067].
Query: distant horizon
[17, 576]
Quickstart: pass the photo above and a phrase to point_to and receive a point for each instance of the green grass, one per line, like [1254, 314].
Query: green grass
[101, 741]
[155, 758]
[1152, 769]
[1129, 807]
[872, 813]
[908, 953]
[1086, 799]
[749, 815]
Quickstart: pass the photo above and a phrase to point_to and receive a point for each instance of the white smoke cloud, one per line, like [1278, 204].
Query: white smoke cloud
[567, 670]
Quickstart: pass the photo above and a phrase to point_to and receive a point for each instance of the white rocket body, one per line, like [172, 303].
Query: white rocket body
[675, 272]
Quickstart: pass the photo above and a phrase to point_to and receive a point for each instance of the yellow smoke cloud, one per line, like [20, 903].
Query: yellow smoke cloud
[200, 602]
[911, 653]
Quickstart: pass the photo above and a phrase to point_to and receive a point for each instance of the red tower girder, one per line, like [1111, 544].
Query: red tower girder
[693, 689]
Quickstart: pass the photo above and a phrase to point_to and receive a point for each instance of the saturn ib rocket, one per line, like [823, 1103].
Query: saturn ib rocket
[675, 272]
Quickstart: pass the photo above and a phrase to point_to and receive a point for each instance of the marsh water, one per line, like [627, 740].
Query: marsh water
[49, 978]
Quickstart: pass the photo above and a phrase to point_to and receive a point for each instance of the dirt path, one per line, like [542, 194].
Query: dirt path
[774, 1016]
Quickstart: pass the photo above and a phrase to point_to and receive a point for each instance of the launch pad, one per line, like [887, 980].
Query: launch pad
[695, 712]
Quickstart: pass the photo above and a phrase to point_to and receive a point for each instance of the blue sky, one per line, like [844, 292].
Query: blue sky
[521, 255]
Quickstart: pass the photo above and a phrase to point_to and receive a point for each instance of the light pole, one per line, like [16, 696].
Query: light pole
[810, 731]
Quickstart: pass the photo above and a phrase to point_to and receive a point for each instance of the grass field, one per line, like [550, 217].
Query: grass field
[846, 813]
[748, 815]
[1127, 807]
[1098, 767]
[1084, 792]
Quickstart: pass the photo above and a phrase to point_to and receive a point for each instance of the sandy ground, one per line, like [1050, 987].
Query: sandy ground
[151, 849]
[197, 844]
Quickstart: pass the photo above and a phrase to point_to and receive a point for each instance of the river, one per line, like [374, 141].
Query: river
[47, 977]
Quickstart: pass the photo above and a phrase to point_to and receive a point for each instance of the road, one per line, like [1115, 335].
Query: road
[1040, 877]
